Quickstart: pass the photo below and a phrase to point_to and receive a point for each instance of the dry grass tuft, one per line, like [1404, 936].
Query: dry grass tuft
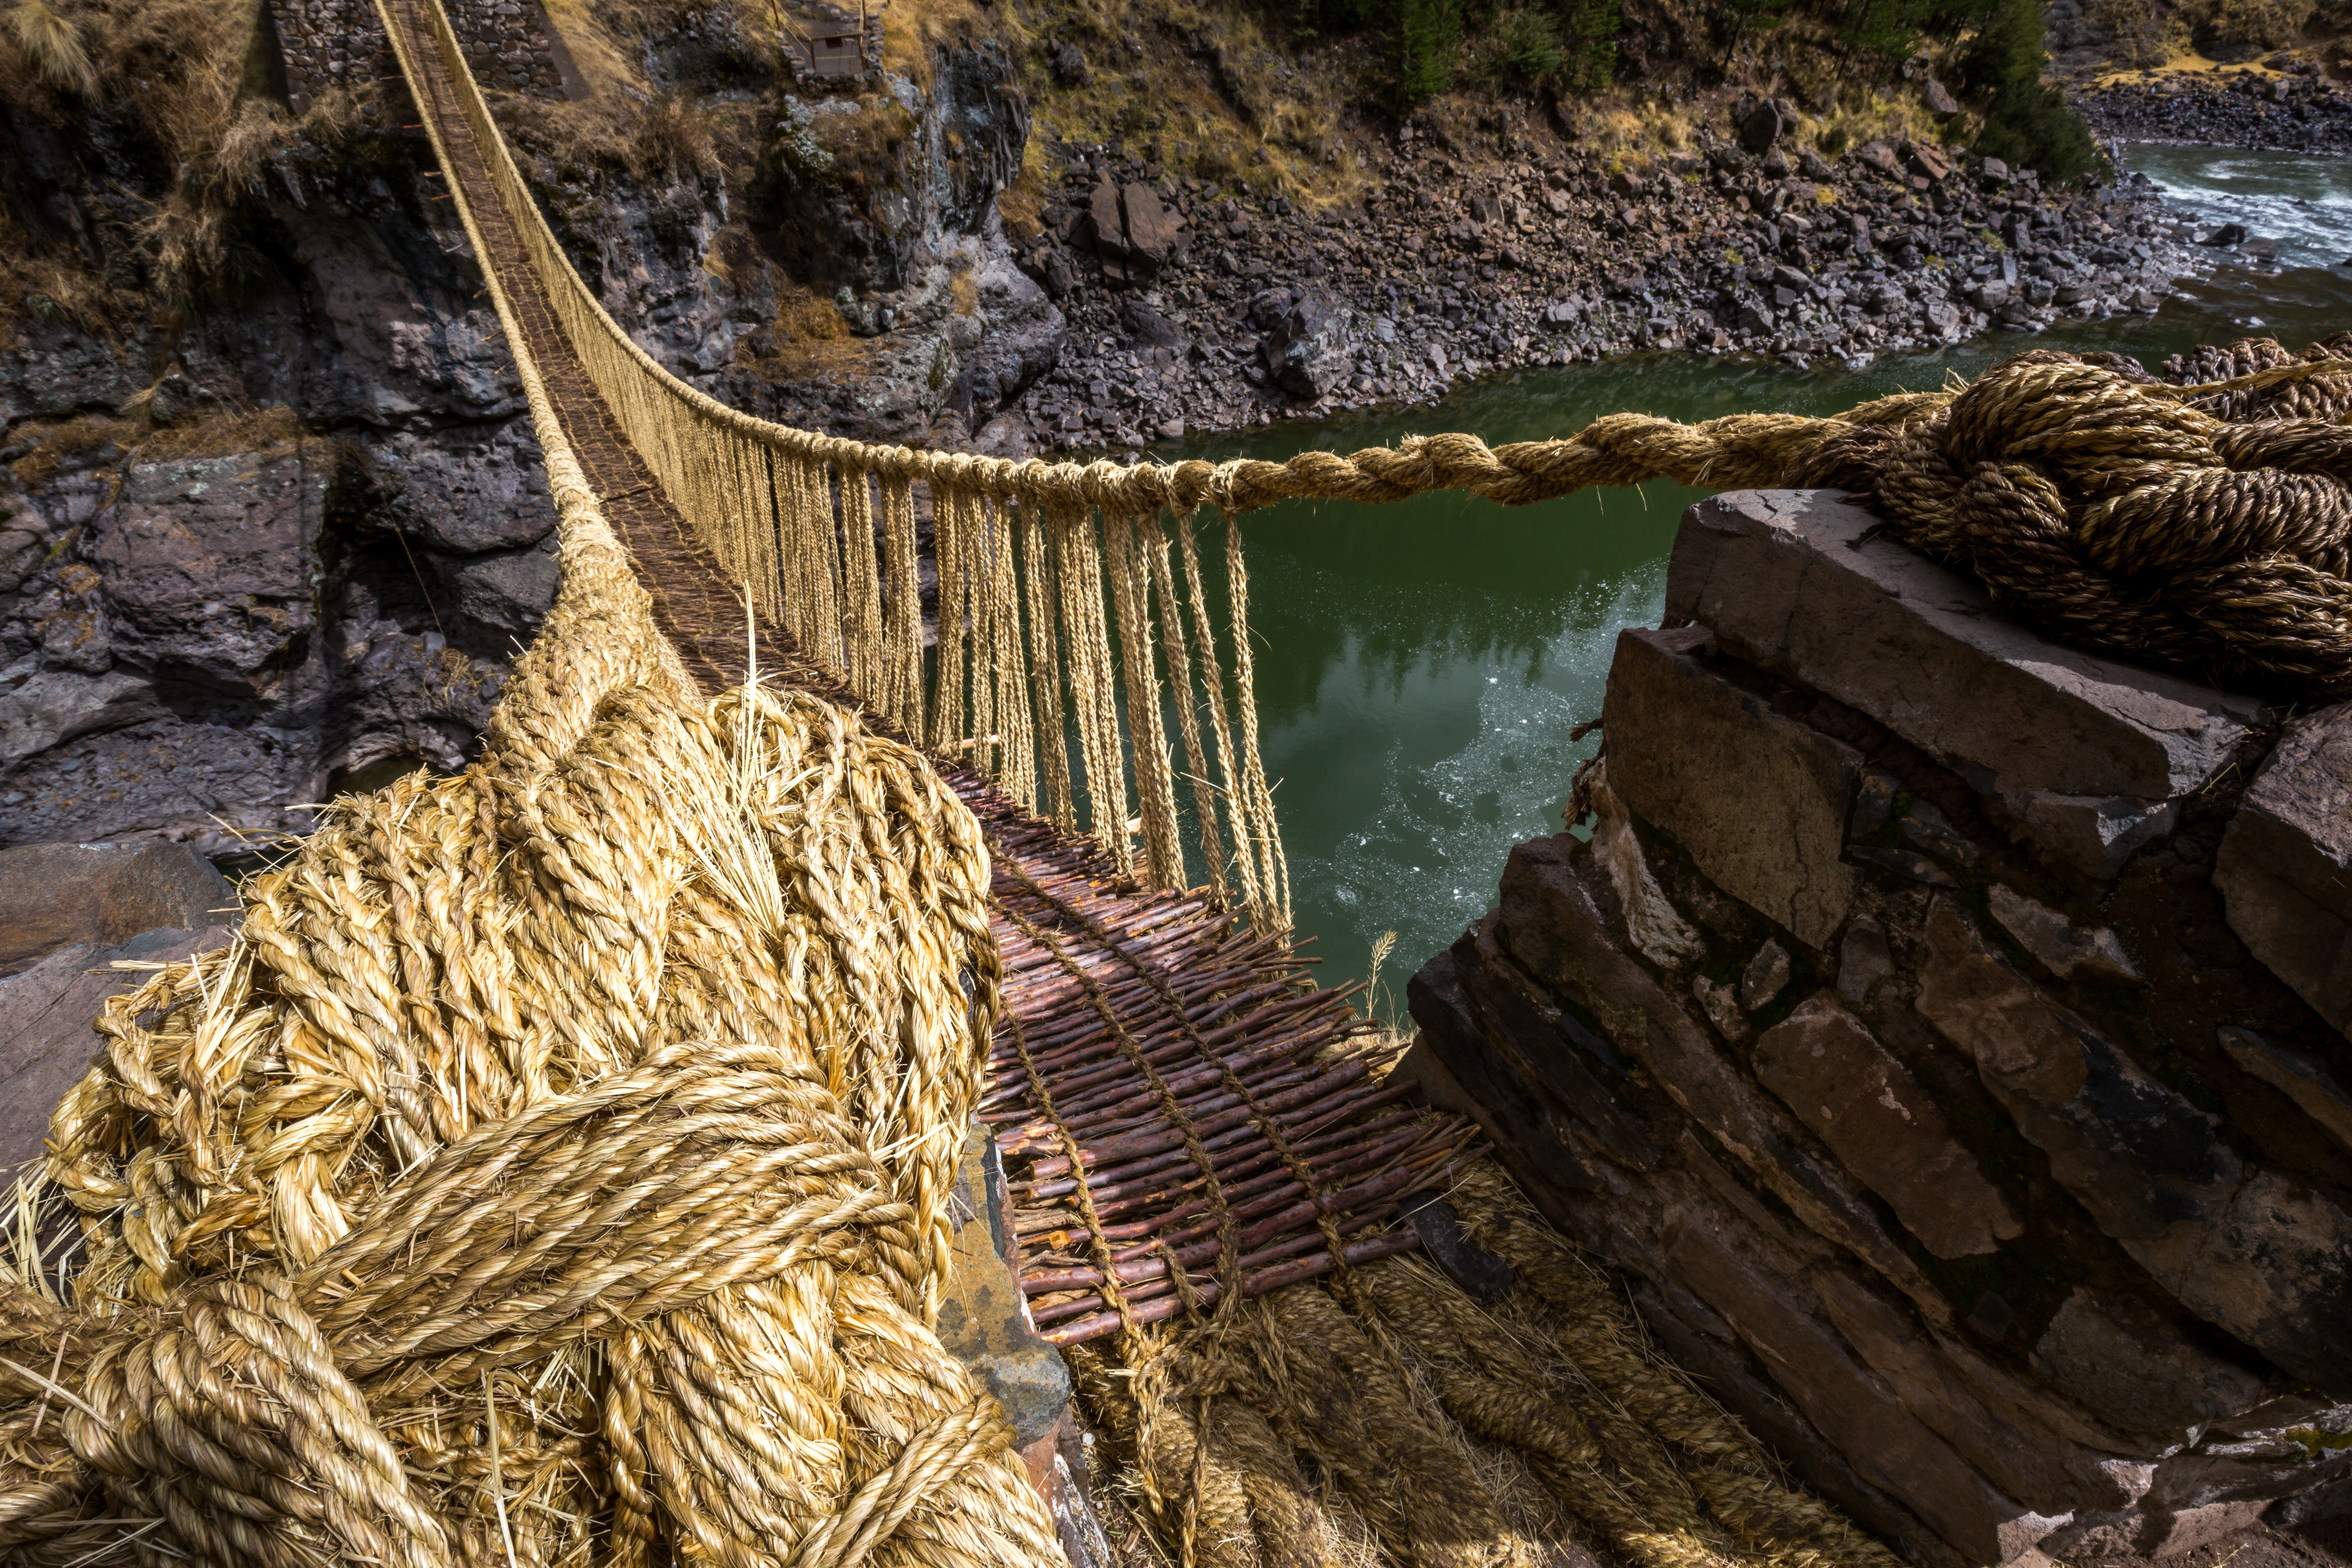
[53, 442]
[224, 434]
[1862, 117]
[629, 123]
[49, 285]
[1268, 115]
[805, 317]
[1022, 203]
[2265, 24]
[216, 434]
[911, 29]
[52, 46]
[179, 71]
[674, 140]
[36, 1238]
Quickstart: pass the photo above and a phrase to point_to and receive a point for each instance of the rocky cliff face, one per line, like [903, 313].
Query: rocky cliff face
[256, 547]
[292, 533]
[878, 207]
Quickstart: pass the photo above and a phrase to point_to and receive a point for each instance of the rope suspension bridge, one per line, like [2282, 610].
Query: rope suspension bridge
[556, 1169]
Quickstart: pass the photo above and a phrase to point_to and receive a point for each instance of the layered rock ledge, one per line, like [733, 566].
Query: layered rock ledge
[1945, 1032]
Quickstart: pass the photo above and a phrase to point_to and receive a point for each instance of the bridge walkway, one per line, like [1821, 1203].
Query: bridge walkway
[1108, 985]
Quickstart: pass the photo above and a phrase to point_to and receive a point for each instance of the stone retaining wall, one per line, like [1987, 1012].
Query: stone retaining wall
[1946, 1038]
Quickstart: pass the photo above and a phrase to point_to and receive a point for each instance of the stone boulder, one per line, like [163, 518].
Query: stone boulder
[1099, 225]
[206, 566]
[1879, 156]
[2087, 756]
[98, 895]
[69, 912]
[984, 1317]
[465, 490]
[46, 1043]
[1760, 123]
[1760, 802]
[2285, 866]
[507, 592]
[1925, 160]
[1267, 307]
[21, 549]
[984, 1322]
[1883, 1126]
[1022, 339]
[52, 707]
[1310, 350]
[1132, 231]
[1147, 326]
[1155, 233]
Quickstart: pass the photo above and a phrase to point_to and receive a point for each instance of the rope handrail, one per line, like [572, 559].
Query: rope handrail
[1026, 653]
[559, 1165]
[1063, 627]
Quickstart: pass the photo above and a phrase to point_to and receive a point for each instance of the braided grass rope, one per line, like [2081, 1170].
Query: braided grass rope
[2015, 478]
[556, 1168]
[611, 1086]
[556, 1165]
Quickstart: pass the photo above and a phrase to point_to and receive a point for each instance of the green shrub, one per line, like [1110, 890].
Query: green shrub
[1588, 31]
[2027, 124]
[1895, 29]
[1428, 37]
[1524, 47]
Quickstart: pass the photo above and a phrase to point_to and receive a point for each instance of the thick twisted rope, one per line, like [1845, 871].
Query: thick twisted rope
[2201, 527]
[625, 1079]
[559, 1160]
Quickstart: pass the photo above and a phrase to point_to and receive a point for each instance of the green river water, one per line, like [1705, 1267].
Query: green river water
[1420, 666]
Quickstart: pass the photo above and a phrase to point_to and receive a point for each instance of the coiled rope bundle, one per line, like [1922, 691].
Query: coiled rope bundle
[556, 1165]
[2204, 527]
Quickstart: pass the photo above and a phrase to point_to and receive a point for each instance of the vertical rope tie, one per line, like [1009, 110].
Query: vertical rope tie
[1228, 760]
[902, 639]
[1008, 671]
[1085, 639]
[1182, 677]
[1041, 585]
[952, 547]
[1155, 787]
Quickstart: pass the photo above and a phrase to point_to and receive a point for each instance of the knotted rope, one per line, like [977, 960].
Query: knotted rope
[561, 1156]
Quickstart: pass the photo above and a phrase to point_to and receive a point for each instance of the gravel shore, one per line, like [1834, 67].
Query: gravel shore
[2287, 113]
[1191, 312]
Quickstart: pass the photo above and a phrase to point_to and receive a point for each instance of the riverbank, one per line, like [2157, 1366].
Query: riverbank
[1191, 312]
[2297, 110]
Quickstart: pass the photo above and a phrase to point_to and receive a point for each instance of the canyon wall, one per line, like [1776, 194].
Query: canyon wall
[266, 542]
